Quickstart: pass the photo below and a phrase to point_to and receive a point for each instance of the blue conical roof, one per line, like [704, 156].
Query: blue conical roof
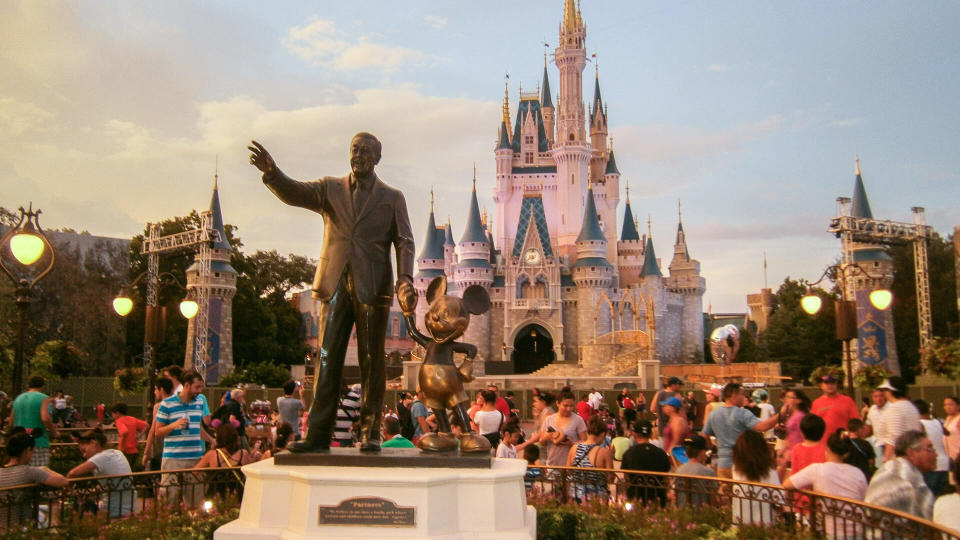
[629, 231]
[590, 230]
[650, 266]
[223, 243]
[433, 242]
[504, 137]
[545, 99]
[448, 235]
[861, 206]
[475, 232]
[612, 165]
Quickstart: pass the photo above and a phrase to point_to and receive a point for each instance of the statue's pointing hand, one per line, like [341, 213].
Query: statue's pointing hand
[261, 159]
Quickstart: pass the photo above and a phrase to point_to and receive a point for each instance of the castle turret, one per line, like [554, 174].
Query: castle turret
[592, 273]
[449, 249]
[219, 289]
[546, 102]
[431, 261]
[474, 268]
[630, 247]
[686, 281]
[598, 132]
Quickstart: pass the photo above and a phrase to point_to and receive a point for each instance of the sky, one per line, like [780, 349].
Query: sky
[750, 114]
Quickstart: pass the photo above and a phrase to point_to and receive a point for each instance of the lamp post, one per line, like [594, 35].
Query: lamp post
[28, 244]
[845, 310]
[155, 322]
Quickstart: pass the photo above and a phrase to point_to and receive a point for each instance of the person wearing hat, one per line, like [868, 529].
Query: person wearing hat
[899, 416]
[677, 427]
[689, 491]
[670, 389]
[835, 408]
[644, 456]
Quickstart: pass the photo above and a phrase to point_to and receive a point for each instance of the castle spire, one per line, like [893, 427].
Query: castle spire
[222, 243]
[570, 16]
[680, 246]
[545, 99]
[650, 265]
[433, 242]
[629, 231]
[590, 230]
[861, 206]
[506, 100]
[475, 232]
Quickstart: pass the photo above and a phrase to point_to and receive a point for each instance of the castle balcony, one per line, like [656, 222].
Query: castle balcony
[532, 303]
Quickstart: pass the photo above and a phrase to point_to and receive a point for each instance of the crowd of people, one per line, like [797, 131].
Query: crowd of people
[893, 453]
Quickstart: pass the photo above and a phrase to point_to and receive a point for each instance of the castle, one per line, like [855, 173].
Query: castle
[568, 292]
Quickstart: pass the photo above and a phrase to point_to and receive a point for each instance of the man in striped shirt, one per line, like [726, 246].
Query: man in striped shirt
[179, 419]
[348, 412]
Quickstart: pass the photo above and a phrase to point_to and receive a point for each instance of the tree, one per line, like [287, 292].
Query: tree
[751, 348]
[265, 373]
[943, 305]
[801, 342]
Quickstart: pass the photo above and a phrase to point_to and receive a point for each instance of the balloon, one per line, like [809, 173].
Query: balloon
[724, 344]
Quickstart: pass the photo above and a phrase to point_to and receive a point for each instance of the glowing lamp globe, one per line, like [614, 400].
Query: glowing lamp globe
[881, 299]
[122, 305]
[189, 309]
[26, 247]
[811, 303]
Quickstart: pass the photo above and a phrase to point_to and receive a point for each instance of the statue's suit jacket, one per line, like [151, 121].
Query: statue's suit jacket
[358, 237]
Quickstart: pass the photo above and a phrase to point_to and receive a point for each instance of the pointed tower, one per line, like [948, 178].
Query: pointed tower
[474, 268]
[592, 274]
[430, 262]
[449, 250]
[219, 290]
[598, 132]
[571, 150]
[629, 247]
[686, 281]
[546, 102]
[877, 273]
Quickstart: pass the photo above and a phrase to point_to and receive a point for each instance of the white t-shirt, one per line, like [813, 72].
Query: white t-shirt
[504, 451]
[875, 419]
[898, 418]
[946, 511]
[747, 508]
[488, 421]
[766, 411]
[595, 399]
[838, 480]
[934, 430]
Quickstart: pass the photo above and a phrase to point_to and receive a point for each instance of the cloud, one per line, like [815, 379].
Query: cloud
[719, 67]
[322, 44]
[18, 117]
[436, 21]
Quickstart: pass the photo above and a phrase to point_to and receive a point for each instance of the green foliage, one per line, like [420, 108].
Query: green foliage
[41, 366]
[943, 304]
[164, 524]
[942, 357]
[130, 381]
[64, 358]
[751, 349]
[822, 371]
[869, 377]
[801, 342]
[271, 375]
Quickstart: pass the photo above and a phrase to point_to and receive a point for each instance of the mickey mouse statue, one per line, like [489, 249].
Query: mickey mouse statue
[440, 379]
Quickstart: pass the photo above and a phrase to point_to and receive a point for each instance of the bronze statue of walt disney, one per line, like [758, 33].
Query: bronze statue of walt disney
[363, 218]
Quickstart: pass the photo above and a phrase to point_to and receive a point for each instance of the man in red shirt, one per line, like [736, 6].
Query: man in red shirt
[502, 404]
[835, 408]
[127, 428]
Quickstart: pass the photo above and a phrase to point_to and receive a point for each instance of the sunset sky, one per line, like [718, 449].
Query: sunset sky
[113, 114]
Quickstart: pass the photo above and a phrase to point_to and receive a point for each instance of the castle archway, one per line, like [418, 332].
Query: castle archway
[532, 349]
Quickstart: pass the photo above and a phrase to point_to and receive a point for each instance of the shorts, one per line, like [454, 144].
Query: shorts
[41, 457]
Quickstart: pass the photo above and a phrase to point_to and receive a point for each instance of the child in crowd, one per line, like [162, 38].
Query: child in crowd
[511, 433]
[531, 453]
[862, 455]
[811, 450]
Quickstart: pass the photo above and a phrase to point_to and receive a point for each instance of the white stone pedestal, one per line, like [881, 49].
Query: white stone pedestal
[283, 502]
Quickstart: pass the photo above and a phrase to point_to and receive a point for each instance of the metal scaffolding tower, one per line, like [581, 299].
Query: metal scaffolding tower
[154, 245]
[854, 230]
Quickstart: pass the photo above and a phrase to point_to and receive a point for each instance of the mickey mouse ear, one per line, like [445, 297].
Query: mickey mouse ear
[437, 287]
[476, 299]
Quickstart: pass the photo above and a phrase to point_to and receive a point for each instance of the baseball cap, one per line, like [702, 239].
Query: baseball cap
[674, 380]
[643, 428]
[894, 384]
[695, 442]
[673, 402]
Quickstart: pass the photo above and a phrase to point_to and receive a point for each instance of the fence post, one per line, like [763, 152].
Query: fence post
[813, 512]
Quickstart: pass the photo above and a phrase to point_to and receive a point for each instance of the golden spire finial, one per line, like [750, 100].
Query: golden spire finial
[611, 143]
[679, 212]
[628, 192]
[649, 226]
[431, 199]
[569, 16]
[216, 171]
[506, 101]
[858, 165]
[483, 217]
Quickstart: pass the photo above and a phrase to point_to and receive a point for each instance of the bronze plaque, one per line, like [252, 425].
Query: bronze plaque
[368, 511]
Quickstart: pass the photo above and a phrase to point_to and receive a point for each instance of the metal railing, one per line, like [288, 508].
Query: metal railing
[749, 503]
[116, 497]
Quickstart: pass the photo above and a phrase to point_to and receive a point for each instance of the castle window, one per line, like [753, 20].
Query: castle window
[571, 136]
[528, 139]
[396, 327]
[216, 274]
[528, 157]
